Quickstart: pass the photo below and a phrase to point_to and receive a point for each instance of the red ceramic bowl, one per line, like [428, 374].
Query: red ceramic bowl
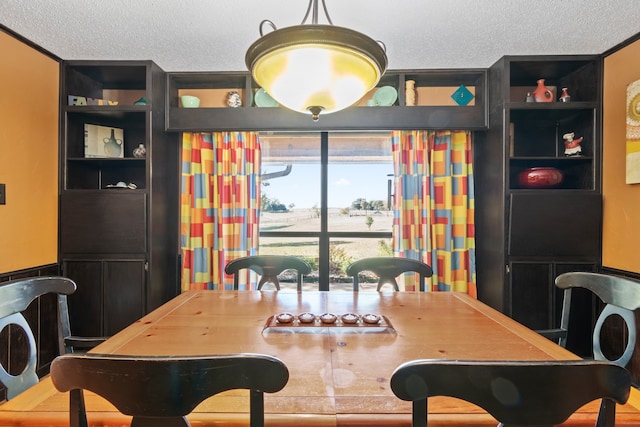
[540, 177]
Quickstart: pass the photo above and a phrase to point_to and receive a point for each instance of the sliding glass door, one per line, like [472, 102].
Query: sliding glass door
[326, 197]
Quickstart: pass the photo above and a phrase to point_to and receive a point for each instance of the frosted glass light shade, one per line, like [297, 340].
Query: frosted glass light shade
[316, 68]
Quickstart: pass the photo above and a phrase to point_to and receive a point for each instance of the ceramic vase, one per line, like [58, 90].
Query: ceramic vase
[140, 151]
[542, 93]
[565, 97]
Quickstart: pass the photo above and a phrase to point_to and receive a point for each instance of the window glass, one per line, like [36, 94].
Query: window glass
[358, 182]
[290, 182]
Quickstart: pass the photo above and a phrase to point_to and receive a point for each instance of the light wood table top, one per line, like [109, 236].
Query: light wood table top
[338, 375]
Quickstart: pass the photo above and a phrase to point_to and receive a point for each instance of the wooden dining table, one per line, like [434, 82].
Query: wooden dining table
[339, 373]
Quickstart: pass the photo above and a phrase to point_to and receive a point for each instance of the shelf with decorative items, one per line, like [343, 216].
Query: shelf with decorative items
[554, 137]
[540, 197]
[100, 148]
[551, 105]
[107, 108]
[384, 107]
[575, 76]
[118, 169]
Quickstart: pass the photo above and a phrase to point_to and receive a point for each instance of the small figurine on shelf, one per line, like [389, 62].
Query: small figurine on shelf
[234, 100]
[572, 146]
[565, 97]
[140, 151]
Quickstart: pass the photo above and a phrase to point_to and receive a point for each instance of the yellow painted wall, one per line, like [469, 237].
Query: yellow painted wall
[28, 156]
[621, 225]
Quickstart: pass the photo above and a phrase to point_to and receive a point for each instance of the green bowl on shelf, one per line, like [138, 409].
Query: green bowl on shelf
[189, 101]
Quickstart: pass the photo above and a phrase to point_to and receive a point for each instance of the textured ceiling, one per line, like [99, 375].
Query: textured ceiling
[213, 35]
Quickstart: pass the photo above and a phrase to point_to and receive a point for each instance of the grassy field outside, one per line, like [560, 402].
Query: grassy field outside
[307, 220]
[344, 250]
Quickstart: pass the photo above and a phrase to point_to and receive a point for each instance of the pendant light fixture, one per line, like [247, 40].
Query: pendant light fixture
[315, 68]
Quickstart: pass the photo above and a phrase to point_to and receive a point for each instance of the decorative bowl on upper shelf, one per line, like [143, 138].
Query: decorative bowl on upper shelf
[540, 177]
[385, 96]
[189, 101]
[263, 99]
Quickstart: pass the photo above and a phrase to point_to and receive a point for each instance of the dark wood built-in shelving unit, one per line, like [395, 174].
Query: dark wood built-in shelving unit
[528, 236]
[119, 244]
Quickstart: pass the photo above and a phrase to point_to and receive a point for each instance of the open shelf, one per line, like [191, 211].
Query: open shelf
[435, 108]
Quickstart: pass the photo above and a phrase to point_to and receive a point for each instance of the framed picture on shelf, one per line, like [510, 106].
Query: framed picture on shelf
[103, 141]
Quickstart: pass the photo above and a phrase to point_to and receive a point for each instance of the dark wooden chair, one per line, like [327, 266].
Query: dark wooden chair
[72, 343]
[621, 296]
[540, 393]
[15, 297]
[388, 269]
[268, 267]
[162, 391]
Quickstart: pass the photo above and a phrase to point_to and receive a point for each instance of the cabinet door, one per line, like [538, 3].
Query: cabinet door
[555, 224]
[124, 282]
[109, 295]
[531, 294]
[85, 304]
[537, 303]
[103, 222]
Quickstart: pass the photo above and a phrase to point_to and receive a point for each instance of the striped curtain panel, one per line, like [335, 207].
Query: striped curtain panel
[220, 205]
[434, 205]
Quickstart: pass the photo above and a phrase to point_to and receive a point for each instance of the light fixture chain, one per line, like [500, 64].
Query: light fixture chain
[271, 24]
[326, 12]
[313, 6]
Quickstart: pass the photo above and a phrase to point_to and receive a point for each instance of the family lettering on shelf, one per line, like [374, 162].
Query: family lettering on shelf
[83, 100]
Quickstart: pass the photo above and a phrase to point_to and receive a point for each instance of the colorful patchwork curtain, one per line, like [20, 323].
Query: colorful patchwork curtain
[434, 205]
[220, 205]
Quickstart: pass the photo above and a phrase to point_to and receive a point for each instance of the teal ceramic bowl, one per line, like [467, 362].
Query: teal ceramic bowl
[189, 101]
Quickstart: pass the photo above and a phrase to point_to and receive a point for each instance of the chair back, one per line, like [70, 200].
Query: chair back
[621, 297]
[72, 343]
[540, 393]
[15, 297]
[268, 267]
[162, 391]
[388, 269]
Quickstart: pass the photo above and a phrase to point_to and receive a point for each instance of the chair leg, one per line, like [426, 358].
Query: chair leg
[607, 414]
[77, 410]
[256, 408]
[155, 422]
[419, 418]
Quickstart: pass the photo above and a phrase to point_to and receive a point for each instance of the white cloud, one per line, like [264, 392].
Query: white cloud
[342, 182]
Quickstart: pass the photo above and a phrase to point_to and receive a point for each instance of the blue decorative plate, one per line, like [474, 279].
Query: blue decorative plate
[462, 96]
